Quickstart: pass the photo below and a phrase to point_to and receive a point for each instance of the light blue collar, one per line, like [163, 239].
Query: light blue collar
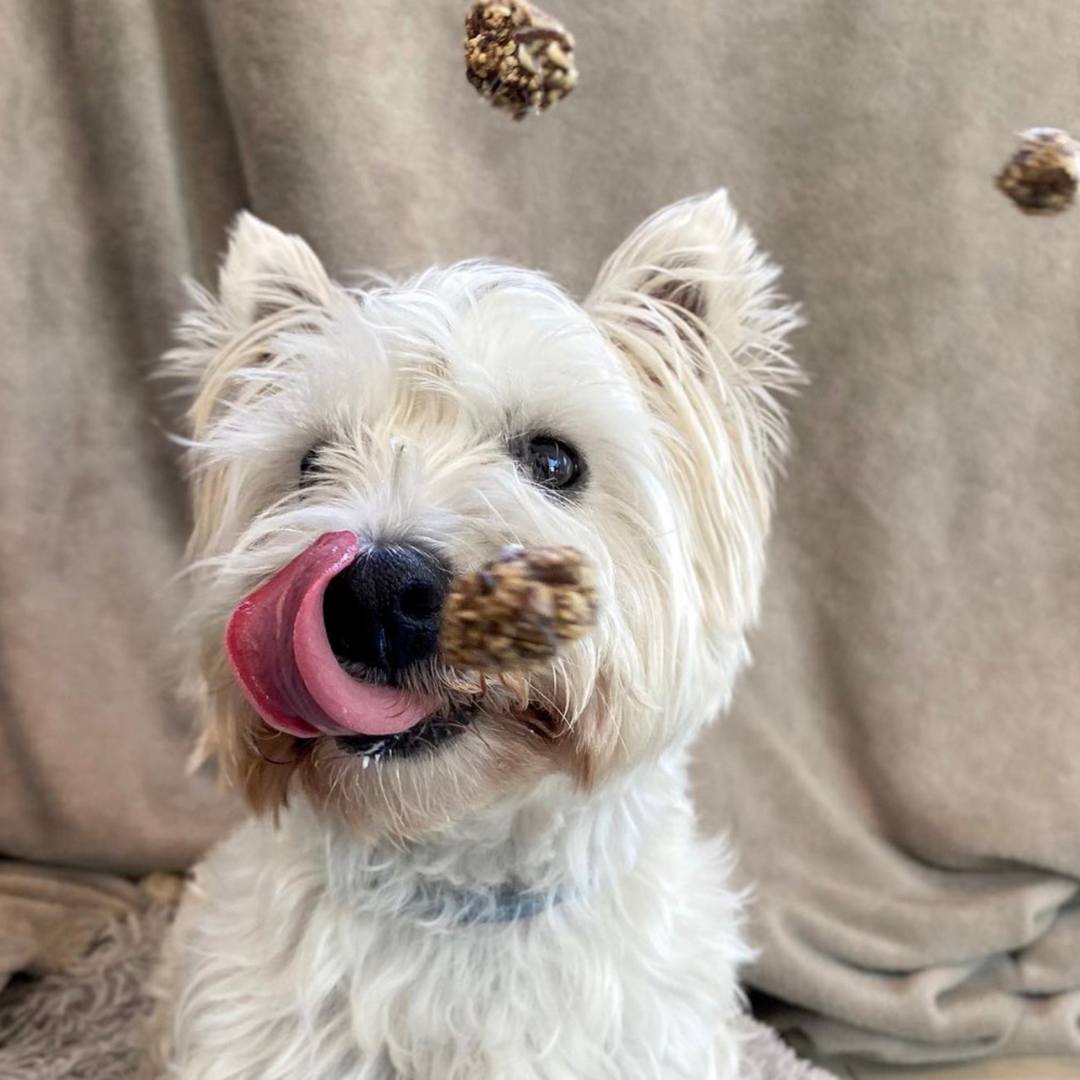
[505, 903]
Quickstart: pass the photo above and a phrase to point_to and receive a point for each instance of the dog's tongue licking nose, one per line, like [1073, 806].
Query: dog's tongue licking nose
[277, 645]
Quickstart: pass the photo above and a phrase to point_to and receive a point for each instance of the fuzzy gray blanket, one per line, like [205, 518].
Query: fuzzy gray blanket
[84, 1023]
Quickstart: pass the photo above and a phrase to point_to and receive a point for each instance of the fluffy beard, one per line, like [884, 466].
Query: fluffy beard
[491, 742]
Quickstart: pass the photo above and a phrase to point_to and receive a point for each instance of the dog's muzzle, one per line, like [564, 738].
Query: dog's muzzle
[382, 607]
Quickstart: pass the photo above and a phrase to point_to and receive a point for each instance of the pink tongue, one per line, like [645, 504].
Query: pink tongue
[276, 643]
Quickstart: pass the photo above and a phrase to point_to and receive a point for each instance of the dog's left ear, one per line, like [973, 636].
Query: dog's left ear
[689, 296]
[691, 305]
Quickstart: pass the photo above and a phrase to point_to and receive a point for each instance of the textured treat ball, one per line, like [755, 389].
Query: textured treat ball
[518, 56]
[1041, 177]
[515, 613]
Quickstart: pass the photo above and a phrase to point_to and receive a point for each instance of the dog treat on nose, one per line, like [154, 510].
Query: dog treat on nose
[515, 613]
[1042, 176]
[517, 56]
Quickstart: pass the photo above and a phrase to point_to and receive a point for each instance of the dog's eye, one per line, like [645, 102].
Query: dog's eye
[309, 464]
[549, 462]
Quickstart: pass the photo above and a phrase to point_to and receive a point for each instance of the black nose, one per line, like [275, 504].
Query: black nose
[383, 610]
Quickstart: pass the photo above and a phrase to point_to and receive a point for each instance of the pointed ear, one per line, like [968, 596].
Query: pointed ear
[689, 291]
[691, 305]
[266, 271]
[270, 284]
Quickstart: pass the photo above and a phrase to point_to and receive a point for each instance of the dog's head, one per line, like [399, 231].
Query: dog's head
[354, 449]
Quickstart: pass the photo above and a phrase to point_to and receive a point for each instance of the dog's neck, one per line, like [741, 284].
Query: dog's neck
[515, 860]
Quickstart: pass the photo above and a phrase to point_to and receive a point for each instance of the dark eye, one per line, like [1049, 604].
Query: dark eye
[549, 462]
[309, 464]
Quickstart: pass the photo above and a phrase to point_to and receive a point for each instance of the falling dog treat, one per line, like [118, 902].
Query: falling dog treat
[517, 56]
[1042, 176]
[515, 613]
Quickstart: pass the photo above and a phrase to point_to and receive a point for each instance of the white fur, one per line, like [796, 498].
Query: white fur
[302, 951]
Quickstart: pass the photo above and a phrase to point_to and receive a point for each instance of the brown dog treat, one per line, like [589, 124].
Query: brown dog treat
[1042, 176]
[517, 56]
[515, 613]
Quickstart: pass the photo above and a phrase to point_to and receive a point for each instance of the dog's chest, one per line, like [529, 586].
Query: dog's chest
[285, 978]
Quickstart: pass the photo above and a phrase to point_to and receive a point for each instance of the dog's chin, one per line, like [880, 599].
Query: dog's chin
[436, 732]
[446, 769]
[483, 740]
[452, 765]
[465, 702]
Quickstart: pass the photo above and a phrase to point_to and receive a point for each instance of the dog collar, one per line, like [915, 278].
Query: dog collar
[505, 903]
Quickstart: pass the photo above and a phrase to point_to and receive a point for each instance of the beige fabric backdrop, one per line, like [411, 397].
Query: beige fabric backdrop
[901, 769]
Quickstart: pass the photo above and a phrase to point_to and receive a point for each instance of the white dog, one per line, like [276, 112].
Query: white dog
[444, 883]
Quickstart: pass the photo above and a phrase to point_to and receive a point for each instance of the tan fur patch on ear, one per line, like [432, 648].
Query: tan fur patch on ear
[286, 296]
[679, 293]
[671, 303]
[685, 300]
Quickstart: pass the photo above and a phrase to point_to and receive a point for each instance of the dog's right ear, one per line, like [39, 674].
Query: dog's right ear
[270, 283]
[266, 271]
